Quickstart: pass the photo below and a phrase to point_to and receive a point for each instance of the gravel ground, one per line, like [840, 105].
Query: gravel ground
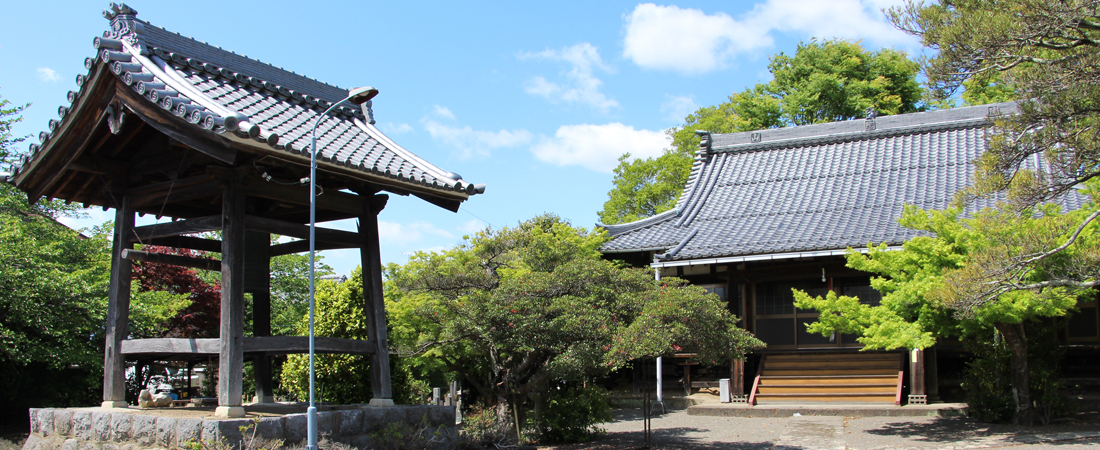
[678, 430]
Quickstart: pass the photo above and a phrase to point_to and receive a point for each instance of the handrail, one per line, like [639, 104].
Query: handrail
[756, 382]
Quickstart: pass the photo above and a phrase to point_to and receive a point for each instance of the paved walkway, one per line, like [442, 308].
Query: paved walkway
[678, 430]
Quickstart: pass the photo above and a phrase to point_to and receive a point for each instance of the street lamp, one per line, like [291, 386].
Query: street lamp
[356, 96]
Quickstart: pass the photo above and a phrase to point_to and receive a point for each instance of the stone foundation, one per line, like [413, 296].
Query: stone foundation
[137, 429]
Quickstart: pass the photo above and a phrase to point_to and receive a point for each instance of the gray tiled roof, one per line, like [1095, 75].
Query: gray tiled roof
[256, 103]
[817, 187]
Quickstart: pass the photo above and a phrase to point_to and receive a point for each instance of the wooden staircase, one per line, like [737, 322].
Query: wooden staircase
[829, 377]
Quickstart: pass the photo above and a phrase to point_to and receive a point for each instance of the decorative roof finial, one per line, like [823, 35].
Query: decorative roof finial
[367, 111]
[704, 139]
[870, 112]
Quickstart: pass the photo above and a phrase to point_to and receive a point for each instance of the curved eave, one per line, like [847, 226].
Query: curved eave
[70, 137]
[205, 126]
[617, 229]
[763, 257]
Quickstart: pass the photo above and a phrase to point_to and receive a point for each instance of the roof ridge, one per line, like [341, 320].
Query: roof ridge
[699, 162]
[861, 129]
[614, 229]
[232, 55]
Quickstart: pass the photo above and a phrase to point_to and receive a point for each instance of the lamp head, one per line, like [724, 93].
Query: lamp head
[360, 95]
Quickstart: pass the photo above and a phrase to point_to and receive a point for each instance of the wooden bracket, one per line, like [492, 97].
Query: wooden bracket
[116, 114]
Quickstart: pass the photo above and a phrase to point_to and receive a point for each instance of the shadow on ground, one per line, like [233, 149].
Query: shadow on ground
[661, 438]
[956, 429]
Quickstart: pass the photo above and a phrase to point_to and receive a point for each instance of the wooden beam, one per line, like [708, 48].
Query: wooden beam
[300, 344]
[374, 305]
[300, 231]
[303, 246]
[188, 242]
[175, 260]
[100, 166]
[171, 346]
[273, 345]
[188, 226]
[299, 195]
[118, 310]
[165, 186]
[171, 165]
[214, 146]
[206, 189]
[231, 354]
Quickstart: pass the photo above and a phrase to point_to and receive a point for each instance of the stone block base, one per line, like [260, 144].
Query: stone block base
[116, 404]
[136, 429]
[229, 411]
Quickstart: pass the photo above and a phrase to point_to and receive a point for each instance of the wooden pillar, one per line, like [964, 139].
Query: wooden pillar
[231, 336]
[258, 281]
[931, 374]
[737, 377]
[190, 367]
[373, 304]
[916, 367]
[917, 394]
[118, 310]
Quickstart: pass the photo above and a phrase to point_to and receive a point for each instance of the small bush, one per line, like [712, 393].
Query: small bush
[404, 436]
[9, 445]
[570, 414]
[480, 429]
[988, 382]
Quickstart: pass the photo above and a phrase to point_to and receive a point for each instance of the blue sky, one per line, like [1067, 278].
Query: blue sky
[535, 99]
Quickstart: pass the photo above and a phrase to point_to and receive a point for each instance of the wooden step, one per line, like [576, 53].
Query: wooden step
[836, 357]
[891, 381]
[826, 390]
[828, 372]
[831, 364]
[832, 398]
[820, 395]
[828, 377]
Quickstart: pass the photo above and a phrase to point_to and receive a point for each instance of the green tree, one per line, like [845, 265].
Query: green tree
[290, 290]
[341, 379]
[1044, 53]
[927, 285]
[51, 285]
[825, 81]
[537, 302]
[53, 299]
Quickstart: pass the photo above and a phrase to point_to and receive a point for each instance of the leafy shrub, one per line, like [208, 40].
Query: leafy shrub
[988, 383]
[570, 414]
[481, 429]
[9, 445]
[405, 436]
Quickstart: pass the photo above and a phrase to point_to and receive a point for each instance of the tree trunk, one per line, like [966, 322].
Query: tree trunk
[506, 414]
[1016, 340]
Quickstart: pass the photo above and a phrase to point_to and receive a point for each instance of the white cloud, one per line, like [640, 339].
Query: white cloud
[465, 139]
[443, 112]
[687, 40]
[395, 128]
[847, 19]
[581, 85]
[48, 74]
[690, 41]
[472, 226]
[598, 147]
[677, 107]
[404, 233]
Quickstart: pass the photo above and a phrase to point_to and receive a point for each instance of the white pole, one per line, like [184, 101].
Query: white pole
[660, 379]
